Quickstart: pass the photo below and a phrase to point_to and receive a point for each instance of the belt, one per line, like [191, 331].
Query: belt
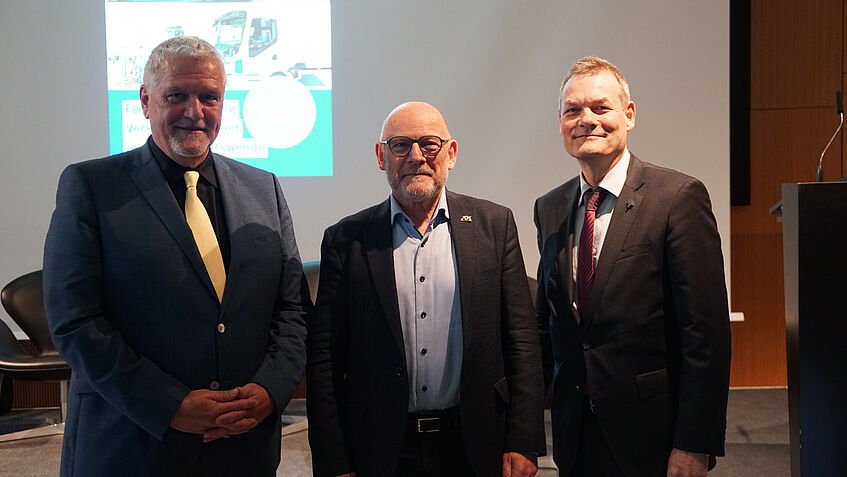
[433, 421]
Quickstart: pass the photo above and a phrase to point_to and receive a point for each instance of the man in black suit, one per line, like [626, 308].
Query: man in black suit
[422, 356]
[631, 300]
[174, 289]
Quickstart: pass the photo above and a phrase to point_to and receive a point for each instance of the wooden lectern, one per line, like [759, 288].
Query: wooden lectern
[814, 238]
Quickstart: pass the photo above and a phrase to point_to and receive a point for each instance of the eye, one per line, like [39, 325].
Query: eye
[175, 98]
[210, 98]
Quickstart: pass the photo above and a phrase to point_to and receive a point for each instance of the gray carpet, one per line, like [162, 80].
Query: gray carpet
[757, 440]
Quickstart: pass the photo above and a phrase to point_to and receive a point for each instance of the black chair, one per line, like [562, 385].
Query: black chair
[23, 299]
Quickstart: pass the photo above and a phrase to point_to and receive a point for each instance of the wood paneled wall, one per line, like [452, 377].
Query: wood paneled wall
[798, 61]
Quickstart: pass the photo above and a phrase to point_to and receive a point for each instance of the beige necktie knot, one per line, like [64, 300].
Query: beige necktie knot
[191, 178]
[204, 234]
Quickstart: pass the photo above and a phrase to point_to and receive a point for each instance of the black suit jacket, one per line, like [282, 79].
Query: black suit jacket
[133, 310]
[653, 348]
[358, 388]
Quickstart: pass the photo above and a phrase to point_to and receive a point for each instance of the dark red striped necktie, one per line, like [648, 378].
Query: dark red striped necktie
[585, 254]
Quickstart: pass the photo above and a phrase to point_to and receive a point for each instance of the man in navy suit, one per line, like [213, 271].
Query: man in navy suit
[423, 355]
[185, 347]
[631, 300]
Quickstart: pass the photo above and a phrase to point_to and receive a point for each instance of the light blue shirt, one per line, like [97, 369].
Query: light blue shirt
[430, 308]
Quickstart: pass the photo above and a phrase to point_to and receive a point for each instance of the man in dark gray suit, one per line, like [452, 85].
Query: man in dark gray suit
[174, 289]
[631, 299]
[423, 357]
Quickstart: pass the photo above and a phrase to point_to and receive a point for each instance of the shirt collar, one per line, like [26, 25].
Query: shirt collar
[440, 210]
[174, 172]
[612, 182]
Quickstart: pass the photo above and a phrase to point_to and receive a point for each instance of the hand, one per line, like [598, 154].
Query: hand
[241, 421]
[687, 464]
[202, 407]
[519, 464]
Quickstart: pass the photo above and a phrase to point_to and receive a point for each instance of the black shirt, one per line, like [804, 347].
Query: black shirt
[207, 190]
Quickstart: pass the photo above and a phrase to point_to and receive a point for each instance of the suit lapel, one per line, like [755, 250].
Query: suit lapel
[622, 219]
[378, 244]
[148, 177]
[230, 185]
[464, 237]
[565, 258]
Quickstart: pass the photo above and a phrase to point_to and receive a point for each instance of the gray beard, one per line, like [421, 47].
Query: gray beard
[177, 147]
[406, 195]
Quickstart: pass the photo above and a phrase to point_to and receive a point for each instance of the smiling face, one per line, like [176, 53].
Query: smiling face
[594, 119]
[414, 178]
[184, 104]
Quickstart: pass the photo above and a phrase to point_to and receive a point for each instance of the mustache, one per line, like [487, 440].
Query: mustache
[197, 125]
[418, 169]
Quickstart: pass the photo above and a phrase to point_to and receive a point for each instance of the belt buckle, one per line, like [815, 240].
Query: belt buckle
[428, 419]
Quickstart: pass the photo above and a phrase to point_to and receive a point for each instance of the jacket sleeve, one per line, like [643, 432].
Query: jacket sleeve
[521, 352]
[96, 351]
[695, 265]
[326, 367]
[285, 361]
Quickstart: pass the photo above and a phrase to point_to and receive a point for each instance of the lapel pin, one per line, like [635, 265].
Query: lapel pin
[466, 218]
[629, 205]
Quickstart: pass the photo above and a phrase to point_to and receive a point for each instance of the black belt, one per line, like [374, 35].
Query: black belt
[433, 421]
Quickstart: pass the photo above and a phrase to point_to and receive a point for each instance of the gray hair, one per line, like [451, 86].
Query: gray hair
[183, 46]
[593, 65]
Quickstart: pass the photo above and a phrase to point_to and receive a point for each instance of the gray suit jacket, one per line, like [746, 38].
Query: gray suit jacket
[358, 388]
[653, 348]
[133, 310]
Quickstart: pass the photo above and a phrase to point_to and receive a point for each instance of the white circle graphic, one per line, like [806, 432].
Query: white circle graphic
[279, 112]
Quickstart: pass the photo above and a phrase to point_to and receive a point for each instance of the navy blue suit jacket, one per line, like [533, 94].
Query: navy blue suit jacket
[133, 310]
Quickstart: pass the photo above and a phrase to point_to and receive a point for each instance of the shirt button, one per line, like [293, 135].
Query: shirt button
[214, 385]
[424, 388]
[422, 279]
[221, 328]
[423, 314]
[423, 352]
[398, 372]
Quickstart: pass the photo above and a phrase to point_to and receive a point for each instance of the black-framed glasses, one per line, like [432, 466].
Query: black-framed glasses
[402, 145]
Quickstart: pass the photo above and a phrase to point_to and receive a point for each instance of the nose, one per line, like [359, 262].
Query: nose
[415, 153]
[193, 108]
[587, 117]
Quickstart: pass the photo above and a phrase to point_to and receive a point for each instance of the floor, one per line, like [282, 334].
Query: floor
[757, 440]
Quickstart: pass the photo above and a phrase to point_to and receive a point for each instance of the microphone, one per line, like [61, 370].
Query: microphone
[839, 104]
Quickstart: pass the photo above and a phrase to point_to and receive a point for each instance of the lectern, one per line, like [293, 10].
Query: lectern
[814, 238]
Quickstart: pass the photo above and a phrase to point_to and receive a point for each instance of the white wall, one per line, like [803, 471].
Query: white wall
[494, 72]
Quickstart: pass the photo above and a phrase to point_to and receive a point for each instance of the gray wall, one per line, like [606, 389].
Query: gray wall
[498, 65]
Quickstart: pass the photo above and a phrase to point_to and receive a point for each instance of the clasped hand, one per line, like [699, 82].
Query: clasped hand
[217, 414]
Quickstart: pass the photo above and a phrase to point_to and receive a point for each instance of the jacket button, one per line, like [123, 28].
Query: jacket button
[586, 346]
[214, 385]
[398, 372]
[221, 328]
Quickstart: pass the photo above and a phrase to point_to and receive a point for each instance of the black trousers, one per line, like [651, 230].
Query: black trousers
[593, 456]
[428, 454]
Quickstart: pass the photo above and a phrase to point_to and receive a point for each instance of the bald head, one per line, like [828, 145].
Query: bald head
[414, 116]
[416, 179]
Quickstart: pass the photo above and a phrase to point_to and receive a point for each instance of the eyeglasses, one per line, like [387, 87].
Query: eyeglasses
[402, 145]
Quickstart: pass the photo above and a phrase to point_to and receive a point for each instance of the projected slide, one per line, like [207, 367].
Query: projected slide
[277, 112]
